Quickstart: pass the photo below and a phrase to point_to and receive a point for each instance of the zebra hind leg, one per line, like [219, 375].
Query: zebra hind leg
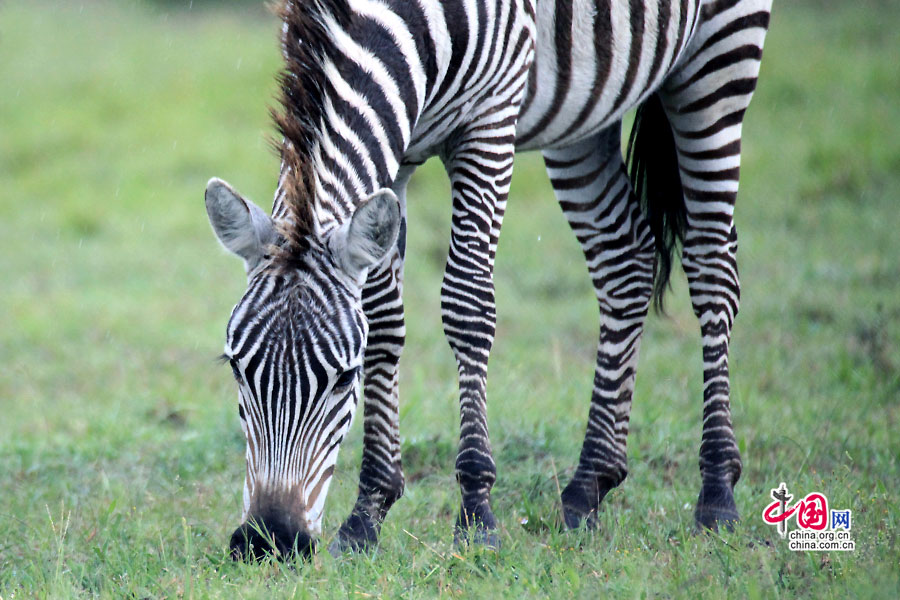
[595, 194]
[705, 103]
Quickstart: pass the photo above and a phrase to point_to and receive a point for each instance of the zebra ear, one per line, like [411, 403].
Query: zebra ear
[241, 226]
[366, 238]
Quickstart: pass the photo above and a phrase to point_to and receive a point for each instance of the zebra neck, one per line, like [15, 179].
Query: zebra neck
[354, 88]
[359, 151]
[345, 174]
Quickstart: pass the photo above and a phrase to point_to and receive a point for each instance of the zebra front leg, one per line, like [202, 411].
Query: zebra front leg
[480, 172]
[594, 192]
[381, 480]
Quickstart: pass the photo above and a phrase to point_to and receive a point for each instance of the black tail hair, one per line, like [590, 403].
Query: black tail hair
[653, 169]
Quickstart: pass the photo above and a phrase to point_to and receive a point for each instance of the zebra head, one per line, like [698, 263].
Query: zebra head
[295, 342]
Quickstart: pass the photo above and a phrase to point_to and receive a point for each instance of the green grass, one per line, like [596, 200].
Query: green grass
[121, 457]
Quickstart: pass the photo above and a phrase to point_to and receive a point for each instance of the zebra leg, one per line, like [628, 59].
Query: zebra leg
[381, 479]
[593, 190]
[705, 102]
[480, 170]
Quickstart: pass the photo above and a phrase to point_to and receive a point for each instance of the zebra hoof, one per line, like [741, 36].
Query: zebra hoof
[338, 547]
[716, 508]
[477, 527]
[580, 506]
[341, 545]
[359, 533]
[577, 518]
[477, 537]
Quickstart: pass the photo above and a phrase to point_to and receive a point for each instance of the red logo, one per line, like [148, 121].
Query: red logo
[818, 528]
[812, 511]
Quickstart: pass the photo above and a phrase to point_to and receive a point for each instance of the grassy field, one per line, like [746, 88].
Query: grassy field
[121, 456]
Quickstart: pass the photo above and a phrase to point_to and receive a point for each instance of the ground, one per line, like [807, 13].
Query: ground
[121, 456]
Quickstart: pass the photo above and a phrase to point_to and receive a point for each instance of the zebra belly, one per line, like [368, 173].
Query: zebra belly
[596, 59]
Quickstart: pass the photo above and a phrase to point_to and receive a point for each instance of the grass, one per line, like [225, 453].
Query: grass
[121, 458]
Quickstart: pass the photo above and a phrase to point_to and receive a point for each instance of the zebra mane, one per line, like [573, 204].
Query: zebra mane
[307, 45]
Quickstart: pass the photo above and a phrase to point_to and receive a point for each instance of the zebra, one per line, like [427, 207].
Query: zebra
[370, 89]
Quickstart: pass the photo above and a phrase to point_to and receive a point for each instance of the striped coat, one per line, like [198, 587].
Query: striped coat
[370, 90]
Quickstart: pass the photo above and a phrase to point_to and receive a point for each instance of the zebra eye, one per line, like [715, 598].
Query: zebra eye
[346, 378]
[235, 370]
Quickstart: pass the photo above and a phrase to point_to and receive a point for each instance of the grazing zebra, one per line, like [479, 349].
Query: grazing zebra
[370, 90]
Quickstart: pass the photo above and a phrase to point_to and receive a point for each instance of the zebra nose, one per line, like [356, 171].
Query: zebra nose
[257, 538]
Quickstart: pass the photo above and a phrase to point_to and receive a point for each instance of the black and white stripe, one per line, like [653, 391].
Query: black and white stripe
[295, 367]
[374, 87]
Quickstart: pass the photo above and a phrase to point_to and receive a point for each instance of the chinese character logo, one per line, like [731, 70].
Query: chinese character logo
[840, 519]
[782, 499]
[817, 525]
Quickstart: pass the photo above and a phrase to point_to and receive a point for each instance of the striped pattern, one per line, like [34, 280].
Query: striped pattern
[372, 88]
[295, 364]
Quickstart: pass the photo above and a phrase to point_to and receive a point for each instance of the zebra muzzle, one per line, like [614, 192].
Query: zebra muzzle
[258, 538]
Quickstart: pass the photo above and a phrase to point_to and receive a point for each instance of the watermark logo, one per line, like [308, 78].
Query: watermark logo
[818, 528]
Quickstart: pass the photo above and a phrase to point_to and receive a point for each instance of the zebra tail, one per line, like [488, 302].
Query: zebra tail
[652, 163]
